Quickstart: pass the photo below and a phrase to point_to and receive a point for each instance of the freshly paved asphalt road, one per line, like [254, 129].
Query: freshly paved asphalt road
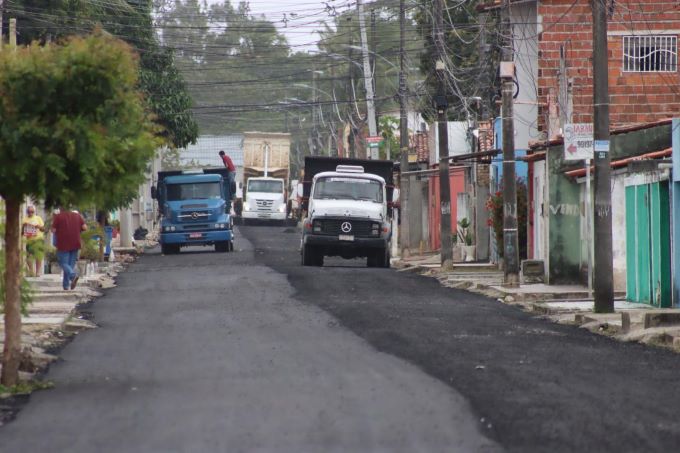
[252, 352]
[207, 352]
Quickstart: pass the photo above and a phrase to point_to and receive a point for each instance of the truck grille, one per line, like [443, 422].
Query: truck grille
[360, 228]
[194, 216]
[264, 205]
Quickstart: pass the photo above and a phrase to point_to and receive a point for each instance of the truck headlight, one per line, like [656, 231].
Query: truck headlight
[375, 229]
[282, 208]
[317, 226]
[246, 206]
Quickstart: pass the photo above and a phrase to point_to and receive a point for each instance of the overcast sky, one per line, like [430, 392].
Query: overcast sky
[298, 19]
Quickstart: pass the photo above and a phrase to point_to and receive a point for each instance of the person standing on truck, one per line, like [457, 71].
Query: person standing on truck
[66, 227]
[229, 165]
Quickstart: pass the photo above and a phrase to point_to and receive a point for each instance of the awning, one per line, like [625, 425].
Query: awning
[623, 162]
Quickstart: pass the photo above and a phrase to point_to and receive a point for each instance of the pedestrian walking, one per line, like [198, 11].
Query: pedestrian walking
[33, 228]
[67, 226]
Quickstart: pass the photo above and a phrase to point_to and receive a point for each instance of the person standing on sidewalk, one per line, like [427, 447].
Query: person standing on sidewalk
[32, 228]
[67, 226]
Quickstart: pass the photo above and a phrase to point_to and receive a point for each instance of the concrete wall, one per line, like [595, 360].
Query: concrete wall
[525, 44]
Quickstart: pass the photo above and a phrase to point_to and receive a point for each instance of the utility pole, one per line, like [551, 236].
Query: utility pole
[603, 269]
[403, 138]
[2, 41]
[374, 49]
[13, 33]
[368, 79]
[442, 125]
[510, 233]
[350, 91]
[314, 124]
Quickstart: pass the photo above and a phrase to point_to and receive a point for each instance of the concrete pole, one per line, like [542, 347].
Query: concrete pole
[125, 227]
[13, 33]
[443, 129]
[510, 233]
[403, 138]
[368, 77]
[603, 267]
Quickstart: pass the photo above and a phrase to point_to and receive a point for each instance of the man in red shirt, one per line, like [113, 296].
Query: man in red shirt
[227, 162]
[66, 227]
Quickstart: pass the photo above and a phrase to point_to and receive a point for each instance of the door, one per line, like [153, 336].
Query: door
[648, 260]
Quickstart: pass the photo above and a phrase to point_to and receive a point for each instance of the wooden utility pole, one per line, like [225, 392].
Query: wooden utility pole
[441, 104]
[603, 267]
[403, 137]
[510, 233]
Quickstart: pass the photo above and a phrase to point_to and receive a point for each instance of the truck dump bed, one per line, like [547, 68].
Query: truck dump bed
[318, 164]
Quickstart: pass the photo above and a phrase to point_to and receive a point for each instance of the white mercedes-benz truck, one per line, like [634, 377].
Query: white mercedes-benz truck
[347, 210]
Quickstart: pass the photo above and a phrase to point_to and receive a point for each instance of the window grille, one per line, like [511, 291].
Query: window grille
[654, 53]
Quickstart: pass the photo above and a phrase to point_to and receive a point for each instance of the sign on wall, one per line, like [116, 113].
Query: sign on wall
[578, 141]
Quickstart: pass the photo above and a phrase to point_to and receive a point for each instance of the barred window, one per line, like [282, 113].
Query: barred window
[654, 53]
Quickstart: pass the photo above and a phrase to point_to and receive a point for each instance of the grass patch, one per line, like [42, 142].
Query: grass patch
[25, 388]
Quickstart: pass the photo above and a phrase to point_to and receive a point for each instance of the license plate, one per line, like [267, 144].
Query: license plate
[346, 237]
[195, 235]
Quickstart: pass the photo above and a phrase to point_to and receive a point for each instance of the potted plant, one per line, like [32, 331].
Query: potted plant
[51, 260]
[466, 239]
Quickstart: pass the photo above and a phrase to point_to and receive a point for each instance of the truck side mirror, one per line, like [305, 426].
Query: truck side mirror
[154, 192]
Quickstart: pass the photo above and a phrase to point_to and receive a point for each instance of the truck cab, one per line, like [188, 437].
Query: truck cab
[195, 209]
[265, 199]
[347, 217]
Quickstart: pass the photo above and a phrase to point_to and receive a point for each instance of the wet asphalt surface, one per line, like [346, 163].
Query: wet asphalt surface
[250, 351]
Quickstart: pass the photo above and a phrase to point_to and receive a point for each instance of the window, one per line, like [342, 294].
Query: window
[265, 186]
[335, 188]
[654, 53]
[194, 191]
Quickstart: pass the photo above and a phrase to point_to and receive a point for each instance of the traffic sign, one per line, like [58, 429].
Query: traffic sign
[578, 141]
[374, 139]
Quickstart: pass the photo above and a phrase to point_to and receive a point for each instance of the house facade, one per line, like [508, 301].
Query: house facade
[552, 43]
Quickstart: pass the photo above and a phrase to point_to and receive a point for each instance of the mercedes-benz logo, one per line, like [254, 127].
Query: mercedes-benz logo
[346, 227]
[194, 215]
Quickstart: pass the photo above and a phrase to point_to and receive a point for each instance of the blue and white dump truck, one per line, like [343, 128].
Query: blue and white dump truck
[195, 208]
[346, 210]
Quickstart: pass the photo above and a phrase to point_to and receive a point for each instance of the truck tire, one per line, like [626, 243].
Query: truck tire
[378, 258]
[222, 247]
[169, 249]
[231, 246]
[311, 256]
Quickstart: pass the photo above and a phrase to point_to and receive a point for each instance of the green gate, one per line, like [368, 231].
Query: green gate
[648, 260]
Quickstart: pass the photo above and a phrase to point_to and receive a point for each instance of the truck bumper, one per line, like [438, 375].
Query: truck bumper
[333, 246]
[263, 215]
[205, 238]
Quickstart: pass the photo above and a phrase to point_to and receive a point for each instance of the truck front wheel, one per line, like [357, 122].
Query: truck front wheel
[169, 249]
[222, 247]
[378, 258]
[311, 256]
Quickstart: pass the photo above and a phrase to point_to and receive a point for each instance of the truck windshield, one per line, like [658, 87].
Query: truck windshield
[348, 188]
[194, 191]
[262, 185]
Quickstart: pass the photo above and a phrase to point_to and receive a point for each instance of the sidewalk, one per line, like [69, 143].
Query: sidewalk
[52, 315]
[565, 304]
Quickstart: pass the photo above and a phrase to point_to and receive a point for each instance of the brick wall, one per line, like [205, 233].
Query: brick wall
[636, 97]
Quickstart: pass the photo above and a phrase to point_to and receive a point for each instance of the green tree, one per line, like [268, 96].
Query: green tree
[73, 129]
[164, 87]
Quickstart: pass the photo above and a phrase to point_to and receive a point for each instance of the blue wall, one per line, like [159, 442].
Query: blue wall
[521, 168]
[675, 203]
